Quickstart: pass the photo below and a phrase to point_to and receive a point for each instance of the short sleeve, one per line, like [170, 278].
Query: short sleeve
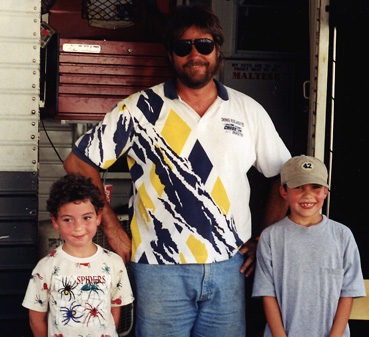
[121, 293]
[271, 152]
[107, 141]
[353, 284]
[37, 294]
[263, 281]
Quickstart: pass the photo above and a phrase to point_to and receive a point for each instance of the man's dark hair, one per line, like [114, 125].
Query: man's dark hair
[184, 17]
[71, 188]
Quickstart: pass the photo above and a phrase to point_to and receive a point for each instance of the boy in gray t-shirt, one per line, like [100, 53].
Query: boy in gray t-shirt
[308, 266]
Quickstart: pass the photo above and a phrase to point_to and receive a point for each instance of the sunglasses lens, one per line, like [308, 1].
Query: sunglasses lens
[183, 47]
[204, 46]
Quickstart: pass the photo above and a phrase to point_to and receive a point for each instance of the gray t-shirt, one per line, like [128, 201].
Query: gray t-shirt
[308, 269]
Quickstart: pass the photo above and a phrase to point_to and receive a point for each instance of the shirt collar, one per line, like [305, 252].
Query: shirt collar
[171, 92]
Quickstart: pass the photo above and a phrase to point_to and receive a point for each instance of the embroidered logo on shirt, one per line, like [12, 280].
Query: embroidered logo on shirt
[232, 126]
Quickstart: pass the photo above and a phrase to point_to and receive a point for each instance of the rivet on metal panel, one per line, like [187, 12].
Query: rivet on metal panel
[129, 50]
[33, 111]
[33, 161]
[33, 137]
[33, 98]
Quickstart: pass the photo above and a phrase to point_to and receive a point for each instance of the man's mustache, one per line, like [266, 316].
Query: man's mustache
[195, 64]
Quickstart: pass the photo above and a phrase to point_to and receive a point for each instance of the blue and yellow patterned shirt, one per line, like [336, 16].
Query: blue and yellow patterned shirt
[190, 201]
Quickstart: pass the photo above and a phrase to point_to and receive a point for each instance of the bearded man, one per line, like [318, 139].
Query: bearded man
[189, 143]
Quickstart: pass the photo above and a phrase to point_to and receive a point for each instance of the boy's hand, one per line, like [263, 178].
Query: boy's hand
[249, 251]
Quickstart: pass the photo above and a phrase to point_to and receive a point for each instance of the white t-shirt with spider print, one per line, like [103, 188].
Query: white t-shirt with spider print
[79, 293]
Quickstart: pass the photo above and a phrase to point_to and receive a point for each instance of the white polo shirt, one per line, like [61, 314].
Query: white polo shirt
[190, 201]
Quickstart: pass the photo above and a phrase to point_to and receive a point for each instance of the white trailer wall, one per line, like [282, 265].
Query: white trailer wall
[19, 84]
[19, 115]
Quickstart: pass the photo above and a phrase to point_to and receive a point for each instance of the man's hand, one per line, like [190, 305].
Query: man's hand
[118, 239]
[120, 242]
[249, 251]
[276, 210]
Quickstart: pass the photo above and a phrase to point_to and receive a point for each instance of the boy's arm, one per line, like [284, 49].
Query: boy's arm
[273, 316]
[115, 311]
[37, 321]
[342, 316]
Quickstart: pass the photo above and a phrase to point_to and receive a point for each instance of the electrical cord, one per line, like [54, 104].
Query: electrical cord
[50, 141]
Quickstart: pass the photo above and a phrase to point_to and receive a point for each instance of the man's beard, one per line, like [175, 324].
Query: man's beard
[197, 81]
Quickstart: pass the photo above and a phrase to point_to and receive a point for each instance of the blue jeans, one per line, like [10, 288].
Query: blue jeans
[190, 300]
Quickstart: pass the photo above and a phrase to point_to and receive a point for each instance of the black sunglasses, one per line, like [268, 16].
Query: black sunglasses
[183, 47]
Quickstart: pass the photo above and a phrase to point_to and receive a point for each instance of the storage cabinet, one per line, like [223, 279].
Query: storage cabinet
[86, 78]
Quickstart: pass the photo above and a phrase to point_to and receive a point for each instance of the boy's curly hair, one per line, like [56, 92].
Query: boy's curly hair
[71, 188]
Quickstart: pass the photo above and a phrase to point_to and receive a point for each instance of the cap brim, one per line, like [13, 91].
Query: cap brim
[304, 180]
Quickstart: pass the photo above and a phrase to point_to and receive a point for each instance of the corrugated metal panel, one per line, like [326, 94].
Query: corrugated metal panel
[19, 114]
[18, 249]
[19, 84]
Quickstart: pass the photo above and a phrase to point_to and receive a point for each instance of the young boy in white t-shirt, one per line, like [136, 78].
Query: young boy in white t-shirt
[308, 266]
[78, 289]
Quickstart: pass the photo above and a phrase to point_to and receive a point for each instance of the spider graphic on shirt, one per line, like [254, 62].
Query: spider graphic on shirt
[70, 313]
[93, 312]
[91, 288]
[39, 301]
[105, 269]
[68, 288]
[55, 271]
